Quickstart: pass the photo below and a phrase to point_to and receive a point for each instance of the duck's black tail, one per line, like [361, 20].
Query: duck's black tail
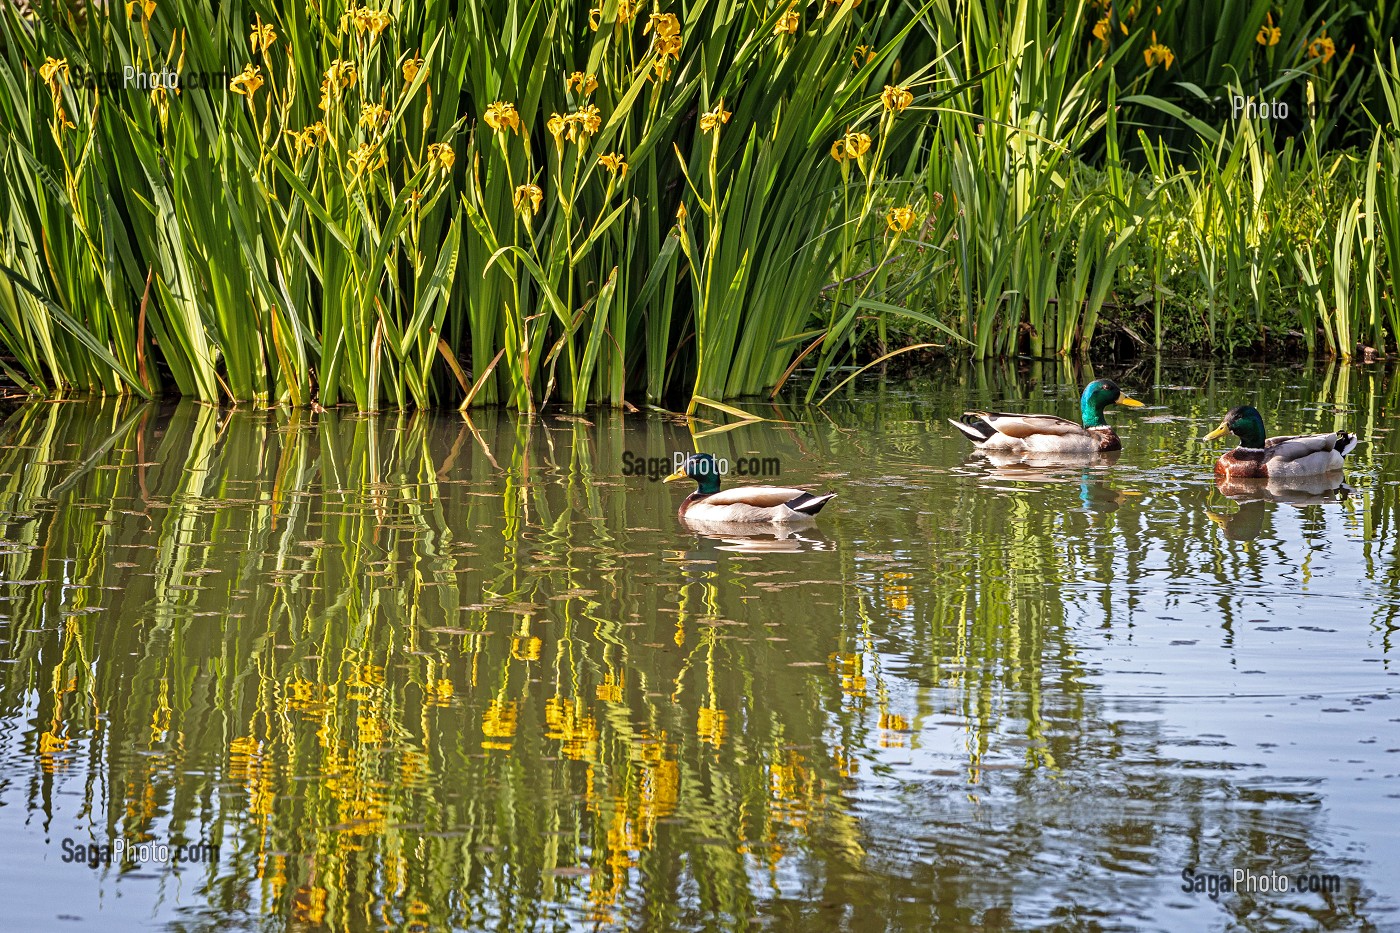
[809, 504]
[974, 427]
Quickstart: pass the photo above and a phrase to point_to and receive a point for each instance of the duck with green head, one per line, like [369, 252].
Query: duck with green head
[781, 505]
[994, 430]
[1261, 457]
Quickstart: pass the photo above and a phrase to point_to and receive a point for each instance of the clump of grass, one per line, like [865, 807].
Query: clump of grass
[402, 207]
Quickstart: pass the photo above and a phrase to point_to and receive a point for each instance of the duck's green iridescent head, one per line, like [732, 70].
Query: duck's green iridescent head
[1097, 396]
[1246, 423]
[703, 469]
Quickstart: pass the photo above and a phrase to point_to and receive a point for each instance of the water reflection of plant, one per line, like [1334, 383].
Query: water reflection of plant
[477, 685]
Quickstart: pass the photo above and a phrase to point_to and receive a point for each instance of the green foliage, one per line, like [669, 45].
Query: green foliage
[420, 207]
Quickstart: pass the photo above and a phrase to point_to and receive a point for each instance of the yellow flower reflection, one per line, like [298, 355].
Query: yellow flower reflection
[309, 905]
[611, 689]
[850, 668]
[50, 742]
[498, 722]
[710, 726]
[569, 722]
[525, 647]
[893, 728]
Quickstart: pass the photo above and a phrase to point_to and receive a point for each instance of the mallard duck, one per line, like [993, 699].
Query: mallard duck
[994, 430]
[780, 505]
[1258, 457]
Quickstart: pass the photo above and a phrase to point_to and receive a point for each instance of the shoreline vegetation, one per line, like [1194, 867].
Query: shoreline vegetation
[539, 203]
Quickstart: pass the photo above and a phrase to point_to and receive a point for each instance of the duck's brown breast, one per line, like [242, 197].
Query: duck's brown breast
[1243, 463]
[1107, 439]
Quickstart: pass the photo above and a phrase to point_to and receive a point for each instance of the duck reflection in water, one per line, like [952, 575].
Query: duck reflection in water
[1096, 494]
[748, 538]
[1257, 498]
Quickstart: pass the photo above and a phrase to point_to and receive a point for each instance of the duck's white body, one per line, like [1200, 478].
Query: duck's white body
[1040, 434]
[776, 505]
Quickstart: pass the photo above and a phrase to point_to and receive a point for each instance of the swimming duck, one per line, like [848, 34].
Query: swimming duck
[993, 430]
[1294, 455]
[780, 505]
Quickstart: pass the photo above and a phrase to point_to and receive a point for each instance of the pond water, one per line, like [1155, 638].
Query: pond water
[416, 672]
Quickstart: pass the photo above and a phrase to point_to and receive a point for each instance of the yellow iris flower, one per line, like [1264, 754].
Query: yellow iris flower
[583, 83]
[528, 196]
[52, 71]
[502, 116]
[901, 219]
[442, 154]
[261, 35]
[248, 82]
[557, 124]
[715, 117]
[896, 99]
[1322, 47]
[614, 163]
[851, 146]
[373, 116]
[1158, 54]
[1269, 34]
[368, 158]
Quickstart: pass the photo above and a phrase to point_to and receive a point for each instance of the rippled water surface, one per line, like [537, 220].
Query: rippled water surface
[415, 672]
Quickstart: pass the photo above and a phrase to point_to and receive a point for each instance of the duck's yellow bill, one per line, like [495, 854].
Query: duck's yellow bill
[1130, 402]
[1218, 432]
[679, 474]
